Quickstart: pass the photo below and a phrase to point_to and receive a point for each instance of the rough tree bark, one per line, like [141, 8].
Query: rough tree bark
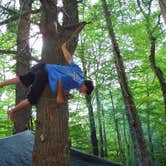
[51, 139]
[127, 96]
[23, 55]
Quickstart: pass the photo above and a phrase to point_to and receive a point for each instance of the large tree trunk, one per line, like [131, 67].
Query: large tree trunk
[51, 140]
[163, 9]
[127, 96]
[22, 118]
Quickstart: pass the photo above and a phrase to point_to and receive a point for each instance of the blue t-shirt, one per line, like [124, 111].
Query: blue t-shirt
[71, 76]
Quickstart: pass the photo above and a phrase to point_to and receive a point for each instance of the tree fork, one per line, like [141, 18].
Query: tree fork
[51, 139]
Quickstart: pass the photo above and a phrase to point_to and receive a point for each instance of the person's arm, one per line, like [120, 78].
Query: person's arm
[59, 98]
[66, 53]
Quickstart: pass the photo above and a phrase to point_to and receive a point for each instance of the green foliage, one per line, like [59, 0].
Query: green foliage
[5, 125]
[94, 53]
[131, 32]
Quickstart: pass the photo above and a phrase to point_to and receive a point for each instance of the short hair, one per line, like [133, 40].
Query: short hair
[89, 85]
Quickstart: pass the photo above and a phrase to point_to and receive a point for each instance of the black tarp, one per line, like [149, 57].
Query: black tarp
[17, 151]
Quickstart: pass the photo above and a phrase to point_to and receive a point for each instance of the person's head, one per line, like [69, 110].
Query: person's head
[87, 87]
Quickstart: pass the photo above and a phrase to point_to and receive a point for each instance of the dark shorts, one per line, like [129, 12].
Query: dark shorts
[36, 78]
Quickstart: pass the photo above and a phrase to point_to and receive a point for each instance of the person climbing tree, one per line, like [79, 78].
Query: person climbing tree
[58, 77]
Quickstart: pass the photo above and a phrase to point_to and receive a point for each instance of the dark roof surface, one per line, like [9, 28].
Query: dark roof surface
[17, 151]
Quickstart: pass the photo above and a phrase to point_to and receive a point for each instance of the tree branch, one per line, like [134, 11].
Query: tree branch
[8, 52]
[15, 52]
[15, 17]
[8, 10]
[77, 31]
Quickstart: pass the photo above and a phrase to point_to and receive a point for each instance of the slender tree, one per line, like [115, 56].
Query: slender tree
[117, 130]
[93, 135]
[94, 140]
[99, 106]
[127, 143]
[152, 38]
[149, 129]
[104, 132]
[99, 116]
[126, 92]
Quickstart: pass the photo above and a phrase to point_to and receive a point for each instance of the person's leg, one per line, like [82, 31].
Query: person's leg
[13, 81]
[18, 107]
[40, 81]
[28, 78]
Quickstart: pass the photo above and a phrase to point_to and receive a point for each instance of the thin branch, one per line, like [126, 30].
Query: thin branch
[8, 52]
[78, 29]
[149, 7]
[139, 5]
[15, 52]
[16, 17]
[8, 10]
[31, 58]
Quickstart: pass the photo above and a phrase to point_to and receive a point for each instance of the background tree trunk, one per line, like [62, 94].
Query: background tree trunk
[128, 145]
[104, 132]
[163, 9]
[127, 96]
[152, 38]
[94, 140]
[157, 70]
[51, 140]
[117, 130]
[101, 139]
[136, 149]
[22, 117]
